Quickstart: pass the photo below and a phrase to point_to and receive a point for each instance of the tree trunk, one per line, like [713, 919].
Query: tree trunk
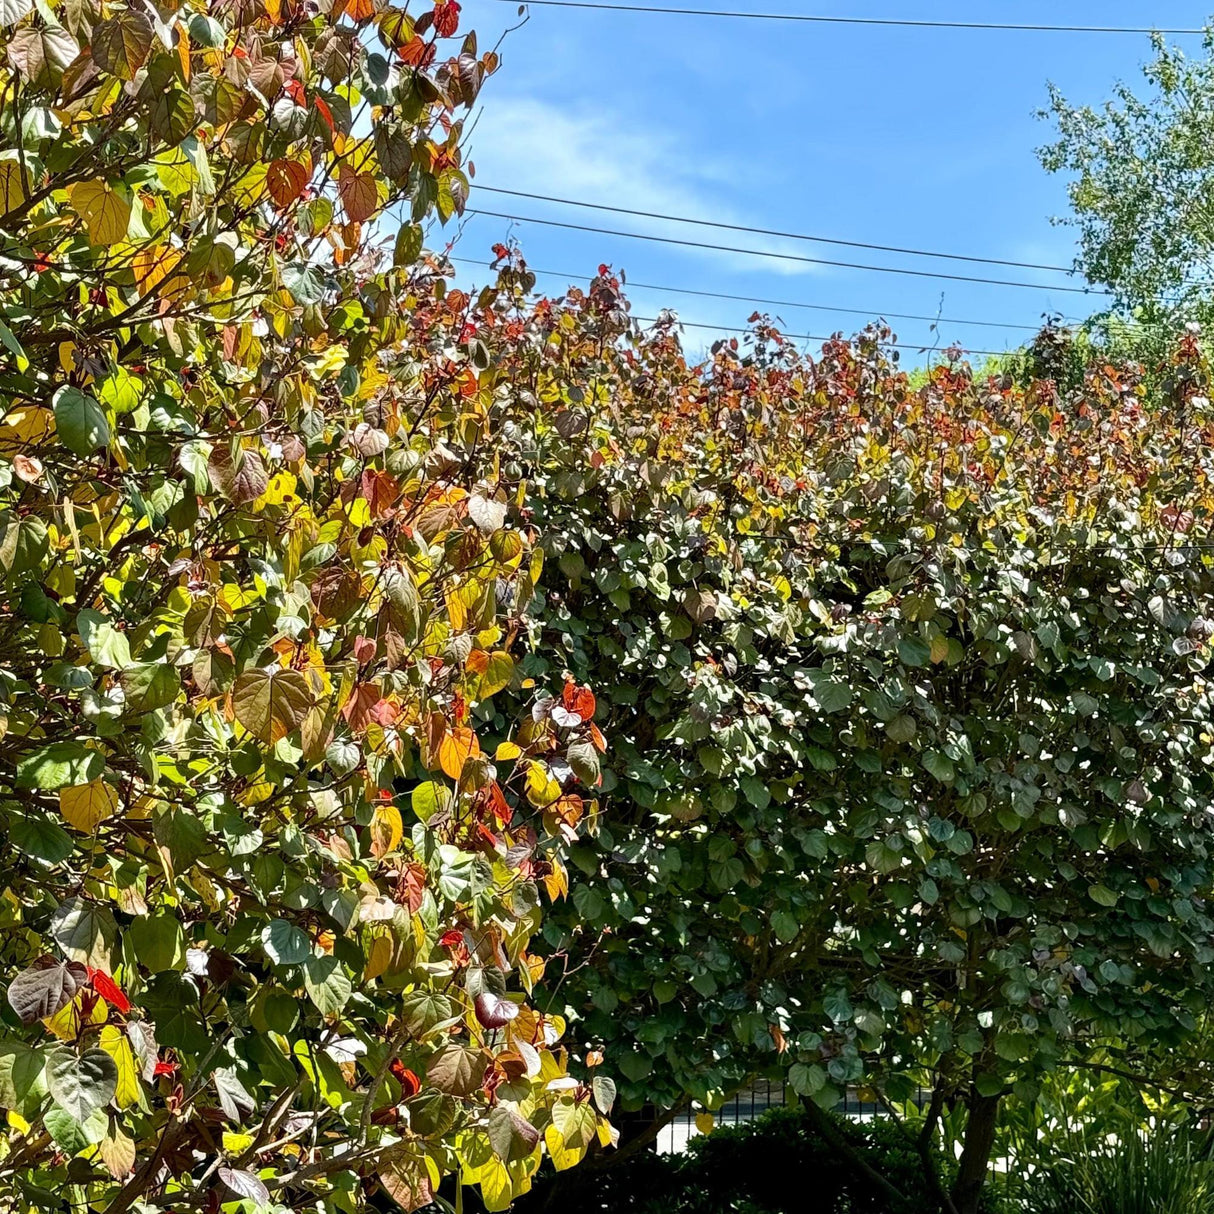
[976, 1154]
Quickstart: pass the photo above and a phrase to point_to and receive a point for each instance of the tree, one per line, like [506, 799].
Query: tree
[1141, 173]
[906, 706]
[252, 584]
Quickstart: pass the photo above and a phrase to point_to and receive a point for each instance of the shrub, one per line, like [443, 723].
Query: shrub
[248, 582]
[906, 690]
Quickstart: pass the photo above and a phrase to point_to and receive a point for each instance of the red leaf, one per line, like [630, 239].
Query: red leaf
[410, 1085]
[578, 699]
[108, 989]
[446, 18]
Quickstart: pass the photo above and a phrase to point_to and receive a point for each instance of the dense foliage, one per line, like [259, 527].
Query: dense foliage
[252, 583]
[905, 697]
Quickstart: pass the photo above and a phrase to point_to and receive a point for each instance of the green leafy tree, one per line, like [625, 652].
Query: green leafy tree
[1141, 176]
[253, 584]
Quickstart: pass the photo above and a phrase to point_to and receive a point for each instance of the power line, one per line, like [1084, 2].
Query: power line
[737, 227]
[869, 21]
[814, 261]
[774, 303]
[693, 324]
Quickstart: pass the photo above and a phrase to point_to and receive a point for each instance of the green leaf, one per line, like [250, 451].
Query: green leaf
[914, 651]
[1102, 895]
[285, 944]
[150, 685]
[305, 283]
[805, 1080]
[73, 1135]
[327, 984]
[106, 645]
[39, 836]
[22, 1076]
[80, 422]
[85, 932]
[430, 798]
[940, 766]
[785, 925]
[59, 765]
[81, 1084]
[424, 1011]
[158, 941]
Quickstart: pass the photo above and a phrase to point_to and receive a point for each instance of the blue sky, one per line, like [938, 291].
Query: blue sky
[922, 138]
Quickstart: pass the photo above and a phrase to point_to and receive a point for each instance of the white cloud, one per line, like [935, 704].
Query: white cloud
[595, 155]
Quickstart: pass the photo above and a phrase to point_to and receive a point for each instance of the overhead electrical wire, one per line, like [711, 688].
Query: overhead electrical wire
[902, 23]
[738, 227]
[793, 257]
[695, 324]
[775, 303]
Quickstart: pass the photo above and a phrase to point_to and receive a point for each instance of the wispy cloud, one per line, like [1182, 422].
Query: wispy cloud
[597, 155]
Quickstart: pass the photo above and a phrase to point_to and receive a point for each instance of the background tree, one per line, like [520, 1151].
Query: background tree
[1141, 176]
[252, 583]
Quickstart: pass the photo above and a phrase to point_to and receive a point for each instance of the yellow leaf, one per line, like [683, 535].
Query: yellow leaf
[542, 789]
[379, 956]
[237, 1144]
[496, 675]
[557, 882]
[12, 189]
[497, 1189]
[183, 50]
[507, 751]
[562, 1157]
[387, 830]
[87, 805]
[114, 1042]
[281, 486]
[705, 1122]
[105, 213]
[25, 426]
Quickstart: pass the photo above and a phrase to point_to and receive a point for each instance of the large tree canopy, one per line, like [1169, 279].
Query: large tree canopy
[251, 584]
[905, 699]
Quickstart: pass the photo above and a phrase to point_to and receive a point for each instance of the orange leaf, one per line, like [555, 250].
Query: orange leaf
[457, 745]
[358, 708]
[381, 491]
[359, 194]
[286, 180]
